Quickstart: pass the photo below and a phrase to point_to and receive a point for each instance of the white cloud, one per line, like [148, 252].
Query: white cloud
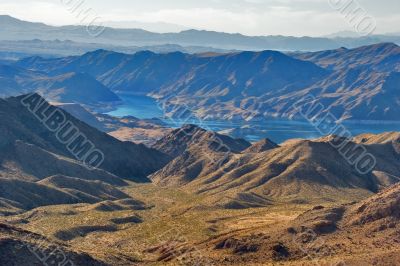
[251, 17]
[277, 20]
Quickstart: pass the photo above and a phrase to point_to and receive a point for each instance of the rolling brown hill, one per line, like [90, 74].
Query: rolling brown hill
[384, 138]
[297, 171]
[196, 153]
[38, 170]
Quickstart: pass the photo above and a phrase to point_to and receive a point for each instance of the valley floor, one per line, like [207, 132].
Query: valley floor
[183, 229]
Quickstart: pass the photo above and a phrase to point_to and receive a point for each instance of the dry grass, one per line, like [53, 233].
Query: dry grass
[175, 215]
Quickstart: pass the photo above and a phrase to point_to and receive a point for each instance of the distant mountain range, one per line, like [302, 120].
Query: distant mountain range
[17, 49]
[15, 29]
[161, 27]
[358, 84]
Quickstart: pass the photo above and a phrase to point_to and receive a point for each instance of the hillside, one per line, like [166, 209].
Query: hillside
[179, 140]
[297, 171]
[10, 77]
[29, 162]
[74, 87]
[196, 152]
[88, 191]
[125, 72]
[129, 128]
[354, 234]
[257, 204]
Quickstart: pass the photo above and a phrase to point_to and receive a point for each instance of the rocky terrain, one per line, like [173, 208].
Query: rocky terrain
[213, 200]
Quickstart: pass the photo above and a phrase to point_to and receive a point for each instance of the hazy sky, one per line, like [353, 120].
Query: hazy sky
[251, 17]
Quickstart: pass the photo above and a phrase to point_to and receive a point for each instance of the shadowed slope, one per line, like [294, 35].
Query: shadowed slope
[29, 162]
[124, 159]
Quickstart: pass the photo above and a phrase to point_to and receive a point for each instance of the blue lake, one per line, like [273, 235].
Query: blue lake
[277, 130]
[138, 106]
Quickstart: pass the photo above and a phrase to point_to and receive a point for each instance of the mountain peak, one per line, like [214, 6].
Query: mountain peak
[261, 146]
[7, 20]
[386, 45]
[191, 128]
[145, 53]
[380, 48]
[98, 52]
[181, 139]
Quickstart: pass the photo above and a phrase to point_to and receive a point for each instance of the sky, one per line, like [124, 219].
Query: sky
[249, 17]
